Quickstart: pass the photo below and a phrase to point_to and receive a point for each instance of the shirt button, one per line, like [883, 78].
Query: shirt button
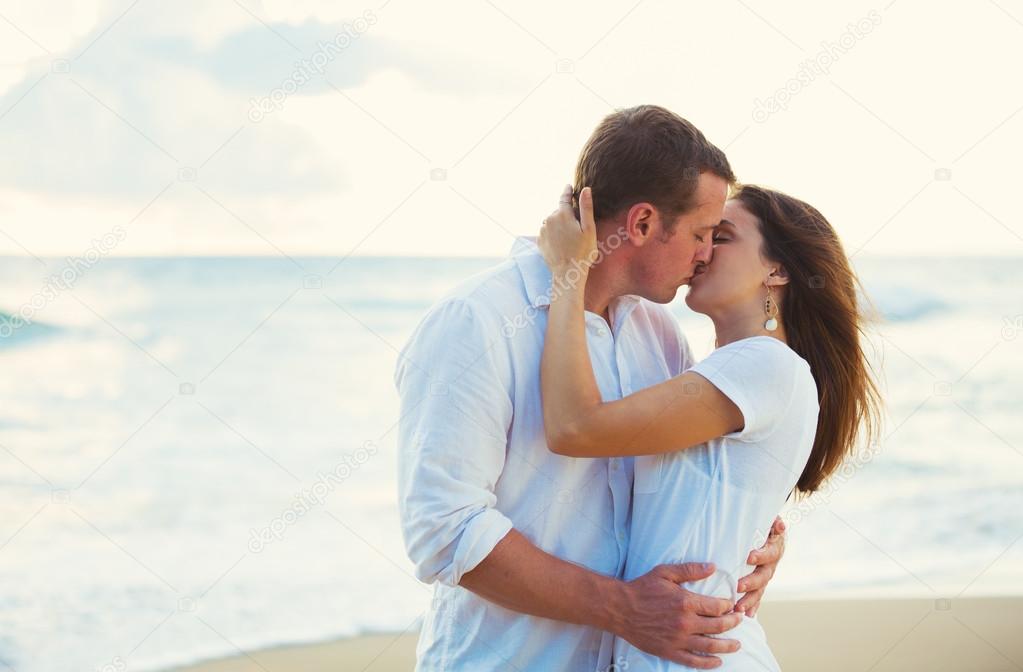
[614, 465]
[601, 332]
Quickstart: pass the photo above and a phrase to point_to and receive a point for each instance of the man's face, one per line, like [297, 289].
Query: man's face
[664, 264]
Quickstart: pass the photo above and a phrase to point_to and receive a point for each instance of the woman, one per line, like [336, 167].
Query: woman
[775, 408]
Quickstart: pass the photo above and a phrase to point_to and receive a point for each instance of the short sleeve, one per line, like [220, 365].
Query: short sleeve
[758, 375]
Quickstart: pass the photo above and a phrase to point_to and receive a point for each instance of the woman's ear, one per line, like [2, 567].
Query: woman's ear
[778, 276]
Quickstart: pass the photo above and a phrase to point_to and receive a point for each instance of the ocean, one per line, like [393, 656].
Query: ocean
[197, 455]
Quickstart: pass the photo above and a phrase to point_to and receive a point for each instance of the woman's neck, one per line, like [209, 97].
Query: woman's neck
[746, 323]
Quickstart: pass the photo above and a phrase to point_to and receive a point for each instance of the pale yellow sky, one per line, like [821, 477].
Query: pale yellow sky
[448, 128]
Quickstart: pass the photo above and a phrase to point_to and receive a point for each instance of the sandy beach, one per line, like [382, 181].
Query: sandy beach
[977, 634]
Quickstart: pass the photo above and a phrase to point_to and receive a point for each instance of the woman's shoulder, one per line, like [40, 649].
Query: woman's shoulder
[759, 349]
[789, 365]
[764, 357]
[766, 346]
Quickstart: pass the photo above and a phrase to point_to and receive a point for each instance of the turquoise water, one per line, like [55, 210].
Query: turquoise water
[198, 454]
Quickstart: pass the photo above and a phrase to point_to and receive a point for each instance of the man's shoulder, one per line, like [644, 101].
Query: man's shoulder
[490, 294]
[466, 321]
[478, 308]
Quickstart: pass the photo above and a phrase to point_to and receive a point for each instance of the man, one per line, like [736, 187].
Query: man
[525, 547]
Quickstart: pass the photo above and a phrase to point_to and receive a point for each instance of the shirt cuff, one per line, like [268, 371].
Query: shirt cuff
[479, 536]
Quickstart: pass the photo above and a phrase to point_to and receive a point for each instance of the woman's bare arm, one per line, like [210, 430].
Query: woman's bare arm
[682, 412]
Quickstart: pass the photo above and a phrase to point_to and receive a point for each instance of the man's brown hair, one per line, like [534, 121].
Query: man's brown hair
[646, 154]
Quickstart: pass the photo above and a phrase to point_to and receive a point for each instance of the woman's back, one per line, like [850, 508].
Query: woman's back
[712, 503]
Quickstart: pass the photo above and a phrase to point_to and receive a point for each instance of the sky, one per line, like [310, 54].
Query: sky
[397, 128]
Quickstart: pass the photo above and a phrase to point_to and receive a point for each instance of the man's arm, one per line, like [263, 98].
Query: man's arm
[652, 612]
[455, 414]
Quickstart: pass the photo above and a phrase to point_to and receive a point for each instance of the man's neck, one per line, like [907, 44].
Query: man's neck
[598, 294]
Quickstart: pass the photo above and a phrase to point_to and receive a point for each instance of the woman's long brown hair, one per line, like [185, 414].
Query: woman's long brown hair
[824, 324]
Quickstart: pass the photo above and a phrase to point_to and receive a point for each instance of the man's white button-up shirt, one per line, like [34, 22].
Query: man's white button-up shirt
[473, 461]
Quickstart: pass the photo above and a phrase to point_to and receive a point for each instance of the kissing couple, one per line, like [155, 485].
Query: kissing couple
[582, 493]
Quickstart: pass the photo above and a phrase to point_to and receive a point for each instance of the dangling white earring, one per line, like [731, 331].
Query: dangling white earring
[771, 309]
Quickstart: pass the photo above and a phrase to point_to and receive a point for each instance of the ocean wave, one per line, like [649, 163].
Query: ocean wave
[15, 331]
[902, 304]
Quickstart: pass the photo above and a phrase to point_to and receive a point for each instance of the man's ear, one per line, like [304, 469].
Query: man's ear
[778, 276]
[640, 223]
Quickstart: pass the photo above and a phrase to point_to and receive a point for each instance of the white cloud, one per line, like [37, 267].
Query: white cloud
[472, 88]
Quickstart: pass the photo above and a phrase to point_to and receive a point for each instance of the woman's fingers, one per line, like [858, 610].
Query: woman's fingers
[563, 239]
[749, 602]
[566, 195]
[586, 211]
[566, 210]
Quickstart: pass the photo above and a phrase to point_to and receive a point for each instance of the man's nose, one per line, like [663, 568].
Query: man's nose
[704, 253]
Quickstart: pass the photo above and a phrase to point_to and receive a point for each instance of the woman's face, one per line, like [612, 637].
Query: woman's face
[735, 275]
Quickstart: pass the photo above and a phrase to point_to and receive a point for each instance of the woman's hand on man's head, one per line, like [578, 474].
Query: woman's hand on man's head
[567, 242]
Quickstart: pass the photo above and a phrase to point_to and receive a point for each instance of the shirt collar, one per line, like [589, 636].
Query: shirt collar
[537, 278]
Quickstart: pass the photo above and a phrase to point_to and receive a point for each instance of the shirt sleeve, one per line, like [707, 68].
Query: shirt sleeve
[758, 375]
[455, 411]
